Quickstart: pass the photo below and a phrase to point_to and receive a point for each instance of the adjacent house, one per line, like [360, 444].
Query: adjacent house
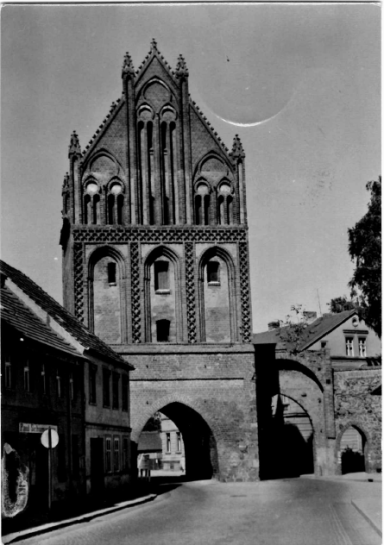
[57, 374]
[319, 396]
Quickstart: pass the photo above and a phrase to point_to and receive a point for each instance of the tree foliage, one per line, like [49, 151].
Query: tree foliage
[365, 251]
[154, 423]
[340, 304]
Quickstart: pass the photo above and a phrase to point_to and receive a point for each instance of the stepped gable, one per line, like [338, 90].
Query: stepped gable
[59, 313]
[16, 314]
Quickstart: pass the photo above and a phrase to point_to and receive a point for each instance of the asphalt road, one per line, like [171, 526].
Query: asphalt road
[284, 512]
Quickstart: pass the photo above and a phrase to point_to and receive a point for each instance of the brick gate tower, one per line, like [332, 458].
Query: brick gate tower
[155, 262]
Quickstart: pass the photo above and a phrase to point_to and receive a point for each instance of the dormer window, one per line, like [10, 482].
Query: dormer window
[362, 347]
[162, 276]
[349, 346]
[213, 272]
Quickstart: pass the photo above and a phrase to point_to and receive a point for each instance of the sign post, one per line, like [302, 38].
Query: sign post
[49, 439]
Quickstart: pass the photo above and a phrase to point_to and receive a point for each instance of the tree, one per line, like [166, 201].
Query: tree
[365, 250]
[340, 304]
[153, 423]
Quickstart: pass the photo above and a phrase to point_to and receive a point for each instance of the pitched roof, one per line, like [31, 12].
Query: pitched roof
[62, 316]
[150, 441]
[15, 313]
[311, 334]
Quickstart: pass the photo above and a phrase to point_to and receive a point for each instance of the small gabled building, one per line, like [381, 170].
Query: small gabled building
[319, 402]
[57, 374]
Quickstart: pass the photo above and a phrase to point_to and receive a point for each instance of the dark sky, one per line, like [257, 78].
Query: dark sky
[300, 84]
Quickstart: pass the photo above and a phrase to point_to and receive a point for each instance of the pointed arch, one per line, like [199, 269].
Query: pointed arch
[166, 299]
[107, 299]
[225, 289]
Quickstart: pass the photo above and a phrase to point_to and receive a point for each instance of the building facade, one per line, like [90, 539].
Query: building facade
[57, 374]
[155, 262]
[319, 397]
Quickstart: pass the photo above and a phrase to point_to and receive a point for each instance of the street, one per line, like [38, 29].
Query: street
[292, 511]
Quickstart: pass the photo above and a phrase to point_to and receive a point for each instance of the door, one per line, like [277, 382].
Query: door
[97, 465]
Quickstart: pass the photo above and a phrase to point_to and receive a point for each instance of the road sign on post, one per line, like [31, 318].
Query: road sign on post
[49, 439]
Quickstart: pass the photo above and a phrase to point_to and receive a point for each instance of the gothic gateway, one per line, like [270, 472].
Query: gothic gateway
[155, 262]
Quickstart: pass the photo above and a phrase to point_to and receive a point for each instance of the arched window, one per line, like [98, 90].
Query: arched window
[202, 203]
[92, 204]
[115, 204]
[225, 199]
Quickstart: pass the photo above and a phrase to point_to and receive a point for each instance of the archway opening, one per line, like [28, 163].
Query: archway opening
[290, 445]
[352, 447]
[177, 443]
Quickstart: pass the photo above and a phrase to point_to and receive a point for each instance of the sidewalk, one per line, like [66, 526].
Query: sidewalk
[369, 507]
[32, 525]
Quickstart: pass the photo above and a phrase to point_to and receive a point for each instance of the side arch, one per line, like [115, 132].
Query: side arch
[210, 253]
[366, 447]
[120, 284]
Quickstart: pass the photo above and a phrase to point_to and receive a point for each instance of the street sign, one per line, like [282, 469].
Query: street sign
[25, 427]
[45, 438]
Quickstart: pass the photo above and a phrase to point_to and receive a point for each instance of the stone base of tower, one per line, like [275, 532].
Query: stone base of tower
[209, 393]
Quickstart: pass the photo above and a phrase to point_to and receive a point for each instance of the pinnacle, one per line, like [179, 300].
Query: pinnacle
[237, 148]
[153, 44]
[181, 68]
[74, 145]
[128, 68]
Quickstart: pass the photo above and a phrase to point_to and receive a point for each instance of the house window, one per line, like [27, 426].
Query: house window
[362, 347]
[116, 454]
[162, 331]
[213, 272]
[106, 387]
[349, 346]
[168, 442]
[178, 437]
[92, 383]
[111, 273]
[8, 372]
[124, 396]
[108, 459]
[161, 276]
[125, 453]
[71, 386]
[43, 380]
[27, 381]
[115, 391]
[58, 382]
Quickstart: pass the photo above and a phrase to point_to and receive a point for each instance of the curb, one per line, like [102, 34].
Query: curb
[85, 517]
[367, 518]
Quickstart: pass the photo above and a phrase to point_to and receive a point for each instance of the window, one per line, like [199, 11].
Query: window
[71, 386]
[124, 396]
[43, 380]
[75, 455]
[106, 395]
[27, 382]
[349, 346]
[178, 437]
[92, 383]
[213, 268]
[116, 454]
[161, 275]
[362, 347]
[112, 273]
[162, 331]
[115, 391]
[125, 454]
[58, 382]
[168, 442]
[108, 459]
[8, 372]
